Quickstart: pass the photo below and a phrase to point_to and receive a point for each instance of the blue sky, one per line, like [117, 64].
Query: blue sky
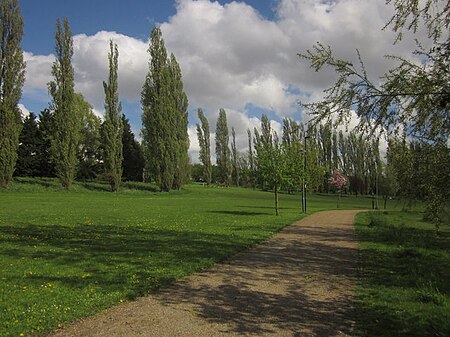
[240, 56]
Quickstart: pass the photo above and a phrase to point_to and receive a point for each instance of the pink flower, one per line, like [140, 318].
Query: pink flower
[337, 179]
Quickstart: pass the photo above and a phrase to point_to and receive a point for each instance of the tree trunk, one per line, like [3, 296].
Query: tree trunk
[277, 210]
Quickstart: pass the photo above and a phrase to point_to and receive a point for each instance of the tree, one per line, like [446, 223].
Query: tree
[204, 142]
[67, 123]
[181, 123]
[46, 128]
[251, 162]
[29, 156]
[222, 149]
[88, 149]
[164, 117]
[412, 97]
[234, 158]
[113, 127]
[270, 159]
[12, 77]
[339, 181]
[133, 158]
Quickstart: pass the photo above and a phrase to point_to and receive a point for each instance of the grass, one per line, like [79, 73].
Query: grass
[69, 254]
[405, 282]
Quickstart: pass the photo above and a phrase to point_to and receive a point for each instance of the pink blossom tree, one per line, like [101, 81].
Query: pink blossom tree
[338, 180]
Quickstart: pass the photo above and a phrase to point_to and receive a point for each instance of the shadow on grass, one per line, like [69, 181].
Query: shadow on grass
[405, 275]
[113, 254]
[239, 213]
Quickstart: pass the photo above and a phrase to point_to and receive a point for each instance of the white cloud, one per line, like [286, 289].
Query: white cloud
[23, 111]
[232, 57]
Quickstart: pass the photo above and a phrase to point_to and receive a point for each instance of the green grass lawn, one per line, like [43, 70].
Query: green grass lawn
[405, 285]
[69, 254]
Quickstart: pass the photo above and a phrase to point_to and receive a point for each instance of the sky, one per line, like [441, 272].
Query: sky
[238, 55]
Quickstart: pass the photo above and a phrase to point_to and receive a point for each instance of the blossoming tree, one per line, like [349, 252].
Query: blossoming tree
[338, 180]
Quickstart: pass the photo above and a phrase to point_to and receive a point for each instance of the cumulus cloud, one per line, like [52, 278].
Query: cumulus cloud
[23, 111]
[231, 57]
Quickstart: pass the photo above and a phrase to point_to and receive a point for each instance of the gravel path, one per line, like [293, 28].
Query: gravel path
[299, 283]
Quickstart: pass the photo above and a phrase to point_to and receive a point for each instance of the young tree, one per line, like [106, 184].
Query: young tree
[133, 159]
[204, 141]
[113, 127]
[67, 123]
[222, 149]
[339, 181]
[12, 77]
[270, 158]
[234, 157]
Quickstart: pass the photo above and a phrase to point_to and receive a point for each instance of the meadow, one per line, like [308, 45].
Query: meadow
[69, 254]
[404, 286]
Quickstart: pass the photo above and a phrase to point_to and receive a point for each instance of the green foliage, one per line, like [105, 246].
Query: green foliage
[164, 117]
[12, 77]
[29, 153]
[113, 126]
[133, 158]
[204, 141]
[46, 127]
[66, 120]
[411, 96]
[234, 158]
[223, 153]
[88, 151]
[405, 268]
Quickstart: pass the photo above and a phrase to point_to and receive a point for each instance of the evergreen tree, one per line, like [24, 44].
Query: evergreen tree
[251, 161]
[113, 127]
[222, 149]
[12, 77]
[29, 156]
[46, 128]
[204, 142]
[234, 157]
[133, 158]
[180, 102]
[159, 119]
[67, 123]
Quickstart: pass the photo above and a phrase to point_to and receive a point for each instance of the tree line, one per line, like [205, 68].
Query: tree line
[69, 141]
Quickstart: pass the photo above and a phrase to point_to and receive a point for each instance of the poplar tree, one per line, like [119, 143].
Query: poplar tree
[12, 77]
[180, 105]
[113, 127]
[67, 123]
[204, 141]
[222, 149]
[234, 157]
[164, 118]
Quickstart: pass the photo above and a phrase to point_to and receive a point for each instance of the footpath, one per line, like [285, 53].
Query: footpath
[299, 283]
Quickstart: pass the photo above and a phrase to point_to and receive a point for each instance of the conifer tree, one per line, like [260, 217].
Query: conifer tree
[133, 158]
[113, 127]
[222, 149]
[28, 160]
[67, 123]
[12, 77]
[204, 141]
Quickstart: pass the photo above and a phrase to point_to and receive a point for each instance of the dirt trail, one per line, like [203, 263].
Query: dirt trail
[299, 283]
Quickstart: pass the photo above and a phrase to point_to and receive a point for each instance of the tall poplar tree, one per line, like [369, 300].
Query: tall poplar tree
[164, 118]
[12, 77]
[222, 149]
[204, 141]
[67, 122]
[180, 105]
[113, 127]
[234, 157]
